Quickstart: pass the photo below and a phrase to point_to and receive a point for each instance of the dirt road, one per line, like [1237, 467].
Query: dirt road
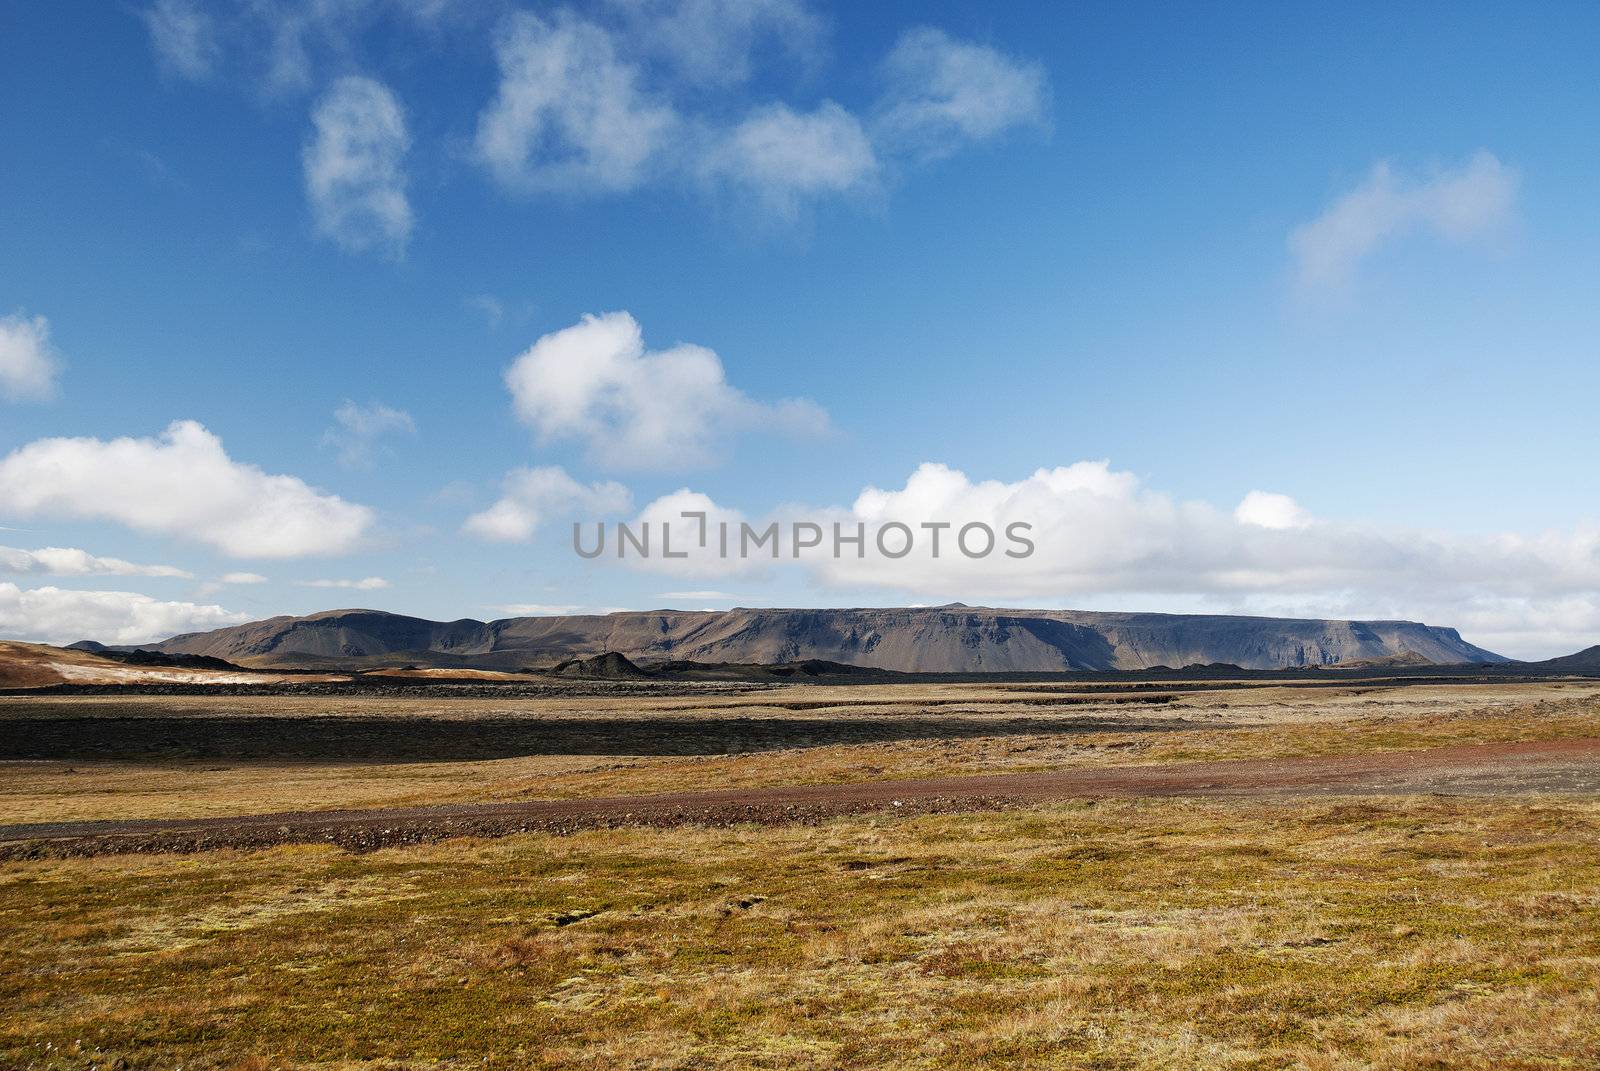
[1559, 766]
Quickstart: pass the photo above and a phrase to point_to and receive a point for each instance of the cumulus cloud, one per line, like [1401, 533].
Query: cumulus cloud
[1103, 537]
[713, 43]
[704, 552]
[604, 100]
[585, 106]
[371, 583]
[569, 114]
[785, 158]
[1264, 509]
[358, 431]
[533, 496]
[689, 535]
[184, 37]
[941, 93]
[636, 408]
[1102, 531]
[354, 167]
[181, 483]
[1454, 205]
[70, 561]
[54, 615]
[28, 364]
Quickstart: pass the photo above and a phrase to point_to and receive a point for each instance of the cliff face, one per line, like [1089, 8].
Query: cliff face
[938, 639]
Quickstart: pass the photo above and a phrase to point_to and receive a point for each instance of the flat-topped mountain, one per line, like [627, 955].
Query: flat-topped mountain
[945, 639]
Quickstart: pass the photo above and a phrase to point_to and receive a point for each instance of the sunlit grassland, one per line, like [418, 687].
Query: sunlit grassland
[1411, 934]
[1244, 724]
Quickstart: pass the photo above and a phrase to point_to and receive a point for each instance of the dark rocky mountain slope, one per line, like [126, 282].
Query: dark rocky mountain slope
[932, 639]
[1586, 661]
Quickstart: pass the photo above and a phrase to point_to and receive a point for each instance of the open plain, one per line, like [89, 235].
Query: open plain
[1319, 874]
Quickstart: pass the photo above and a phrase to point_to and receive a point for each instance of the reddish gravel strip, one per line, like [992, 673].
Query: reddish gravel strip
[1554, 766]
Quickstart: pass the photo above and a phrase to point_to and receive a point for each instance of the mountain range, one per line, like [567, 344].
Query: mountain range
[944, 639]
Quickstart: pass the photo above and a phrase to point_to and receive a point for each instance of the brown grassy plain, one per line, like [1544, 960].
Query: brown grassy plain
[1420, 933]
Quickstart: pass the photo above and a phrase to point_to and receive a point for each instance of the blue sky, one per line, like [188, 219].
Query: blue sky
[1344, 256]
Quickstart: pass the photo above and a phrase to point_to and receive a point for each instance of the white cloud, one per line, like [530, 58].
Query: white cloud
[710, 596]
[576, 109]
[354, 173]
[69, 561]
[1101, 531]
[537, 609]
[533, 496]
[298, 37]
[371, 583]
[183, 484]
[1454, 205]
[358, 430]
[625, 94]
[1101, 537]
[184, 37]
[243, 578]
[1264, 509]
[282, 44]
[942, 93]
[691, 558]
[1523, 627]
[639, 409]
[1528, 628]
[211, 587]
[784, 158]
[713, 43]
[28, 365]
[569, 114]
[54, 615]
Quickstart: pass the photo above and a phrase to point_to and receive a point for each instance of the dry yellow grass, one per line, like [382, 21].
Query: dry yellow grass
[1402, 935]
[1416, 934]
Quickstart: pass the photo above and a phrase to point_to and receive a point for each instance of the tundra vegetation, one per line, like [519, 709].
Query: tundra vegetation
[1419, 932]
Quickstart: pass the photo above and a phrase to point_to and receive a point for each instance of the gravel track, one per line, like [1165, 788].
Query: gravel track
[1557, 766]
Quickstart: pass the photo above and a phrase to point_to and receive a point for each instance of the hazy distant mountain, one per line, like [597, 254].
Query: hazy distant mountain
[948, 639]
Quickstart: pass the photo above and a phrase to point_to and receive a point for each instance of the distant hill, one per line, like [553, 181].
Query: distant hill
[138, 656]
[946, 639]
[37, 665]
[1585, 661]
[606, 667]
